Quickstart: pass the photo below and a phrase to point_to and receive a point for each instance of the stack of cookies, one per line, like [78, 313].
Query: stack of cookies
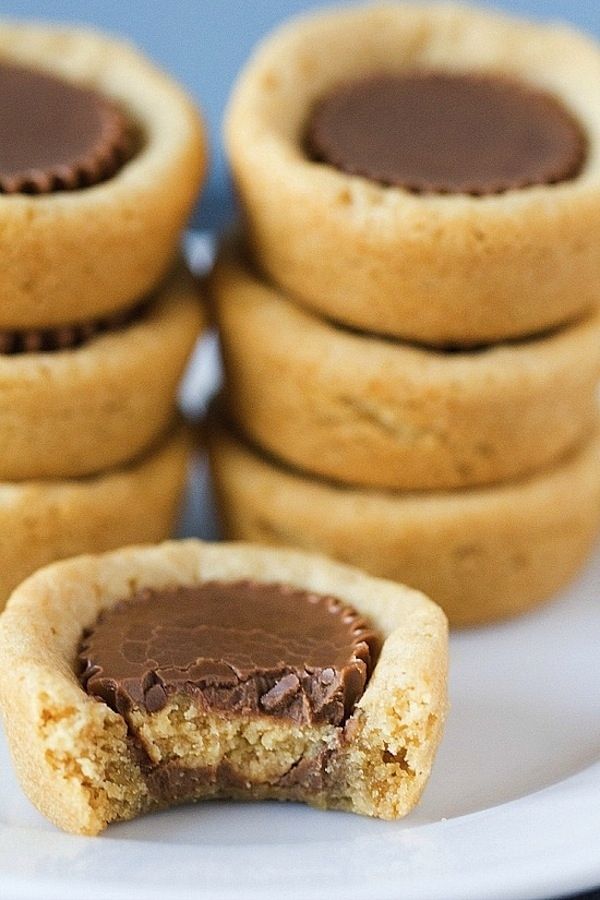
[146, 677]
[101, 158]
[410, 319]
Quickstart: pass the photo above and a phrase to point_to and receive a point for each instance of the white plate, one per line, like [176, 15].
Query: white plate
[512, 809]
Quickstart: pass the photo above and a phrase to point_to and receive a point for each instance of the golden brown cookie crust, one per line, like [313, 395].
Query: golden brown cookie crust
[371, 412]
[71, 751]
[430, 268]
[76, 255]
[482, 554]
[41, 521]
[75, 412]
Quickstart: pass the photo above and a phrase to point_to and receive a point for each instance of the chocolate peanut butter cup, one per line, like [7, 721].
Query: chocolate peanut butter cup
[288, 663]
[81, 399]
[245, 647]
[423, 171]
[56, 135]
[214, 671]
[101, 158]
[390, 415]
[437, 132]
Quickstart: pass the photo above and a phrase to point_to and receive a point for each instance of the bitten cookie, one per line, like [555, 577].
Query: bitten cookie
[77, 410]
[41, 521]
[482, 554]
[429, 172]
[367, 411]
[102, 157]
[219, 670]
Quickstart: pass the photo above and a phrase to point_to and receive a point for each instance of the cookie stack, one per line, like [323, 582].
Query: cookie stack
[101, 157]
[410, 322]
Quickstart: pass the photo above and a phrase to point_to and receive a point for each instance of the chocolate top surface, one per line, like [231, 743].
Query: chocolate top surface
[244, 647]
[55, 135]
[431, 132]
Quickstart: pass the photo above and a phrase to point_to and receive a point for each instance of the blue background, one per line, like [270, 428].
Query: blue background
[203, 43]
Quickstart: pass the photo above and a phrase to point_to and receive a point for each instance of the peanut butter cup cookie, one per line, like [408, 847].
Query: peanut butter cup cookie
[154, 676]
[482, 553]
[374, 412]
[41, 521]
[428, 172]
[101, 157]
[75, 400]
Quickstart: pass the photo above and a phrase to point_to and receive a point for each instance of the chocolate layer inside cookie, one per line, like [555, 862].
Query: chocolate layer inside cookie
[67, 337]
[447, 133]
[231, 688]
[56, 135]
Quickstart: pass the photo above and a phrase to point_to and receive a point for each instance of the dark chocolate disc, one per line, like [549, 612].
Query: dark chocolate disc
[447, 133]
[244, 648]
[56, 135]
